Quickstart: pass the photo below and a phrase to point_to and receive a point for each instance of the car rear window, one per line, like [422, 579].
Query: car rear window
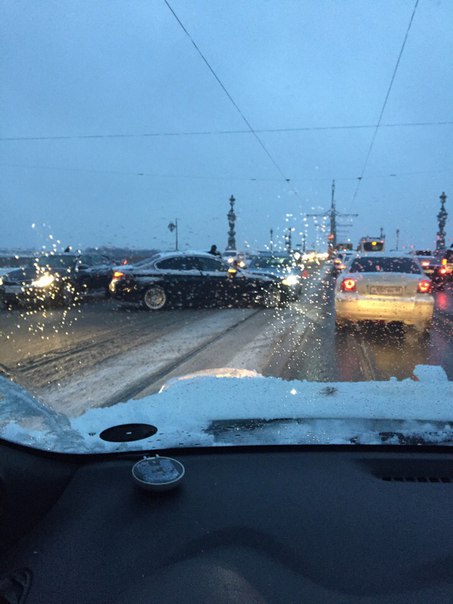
[373, 246]
[179, 263]
[270, 262]
[52, 261]
[384, 265]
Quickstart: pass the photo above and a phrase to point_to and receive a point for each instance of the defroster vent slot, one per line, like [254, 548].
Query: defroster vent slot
[418, 479]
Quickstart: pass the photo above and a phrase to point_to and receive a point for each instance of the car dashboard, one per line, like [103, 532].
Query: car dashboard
[249, 524]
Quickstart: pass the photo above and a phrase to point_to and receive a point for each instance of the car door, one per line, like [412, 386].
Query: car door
[181, 278]
[219, 285]
[94, 272]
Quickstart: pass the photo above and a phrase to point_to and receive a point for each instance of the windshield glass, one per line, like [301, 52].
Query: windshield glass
[373, 246]
[271, 262]
[384, 265]
[54, 261]
[154, 154]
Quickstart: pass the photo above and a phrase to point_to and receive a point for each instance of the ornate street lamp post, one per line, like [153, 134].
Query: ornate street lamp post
[231, 221]
[442, 219]
[289, 240]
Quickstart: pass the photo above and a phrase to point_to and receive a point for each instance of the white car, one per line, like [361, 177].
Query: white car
[384, 287]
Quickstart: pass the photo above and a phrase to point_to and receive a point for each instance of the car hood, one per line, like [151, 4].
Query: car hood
[227, 407]
[271, 271]
[20, 275]
[251, 274]
[29, 273]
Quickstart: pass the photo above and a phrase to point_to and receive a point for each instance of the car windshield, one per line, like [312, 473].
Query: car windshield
[273, 262]
[422, 253]
[384, 265]
[373, 246]
[55, 261]
[212, 218]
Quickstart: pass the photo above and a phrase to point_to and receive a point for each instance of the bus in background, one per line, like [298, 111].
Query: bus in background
[371, 244]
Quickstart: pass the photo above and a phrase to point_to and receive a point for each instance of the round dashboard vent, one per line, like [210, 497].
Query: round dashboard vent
[128, 432]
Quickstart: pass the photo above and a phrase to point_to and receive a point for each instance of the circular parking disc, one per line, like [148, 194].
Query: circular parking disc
[128, 433]
[158, 473]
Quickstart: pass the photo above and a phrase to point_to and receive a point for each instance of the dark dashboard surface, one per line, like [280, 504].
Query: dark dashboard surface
[246, 525]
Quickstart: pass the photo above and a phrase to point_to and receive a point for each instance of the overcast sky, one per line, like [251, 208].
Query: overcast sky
[310, 77]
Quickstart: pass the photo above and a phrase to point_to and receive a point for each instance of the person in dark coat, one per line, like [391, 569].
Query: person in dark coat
[214, 251]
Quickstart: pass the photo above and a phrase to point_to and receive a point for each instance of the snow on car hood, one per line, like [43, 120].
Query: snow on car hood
[230, 406]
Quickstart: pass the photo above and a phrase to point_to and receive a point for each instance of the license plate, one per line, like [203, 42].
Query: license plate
[386, 290]
[12, 289]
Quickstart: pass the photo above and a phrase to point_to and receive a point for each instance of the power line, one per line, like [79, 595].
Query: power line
[142, 173]
[370, 148]
[190, 133]
[233, 102]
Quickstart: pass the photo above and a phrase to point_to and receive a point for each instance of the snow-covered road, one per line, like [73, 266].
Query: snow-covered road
[99, 354]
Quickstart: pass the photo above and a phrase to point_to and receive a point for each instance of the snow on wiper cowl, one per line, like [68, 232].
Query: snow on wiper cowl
[229, 407]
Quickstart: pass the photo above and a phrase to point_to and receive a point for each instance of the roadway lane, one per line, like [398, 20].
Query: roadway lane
[370, 352]
[99, 354]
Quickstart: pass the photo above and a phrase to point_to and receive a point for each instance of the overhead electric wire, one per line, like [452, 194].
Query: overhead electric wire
[142, 173]
[395, 70]
[222, 132]
[233, 102]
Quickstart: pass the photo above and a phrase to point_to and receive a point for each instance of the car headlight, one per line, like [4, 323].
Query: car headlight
[43, 281]
[290, 280]
[1, 280]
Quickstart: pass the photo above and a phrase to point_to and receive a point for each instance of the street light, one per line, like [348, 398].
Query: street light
[173, 226]
[289, 243]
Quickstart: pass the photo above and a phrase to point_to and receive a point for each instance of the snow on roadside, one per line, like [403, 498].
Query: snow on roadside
[96, 386]
[99, 384]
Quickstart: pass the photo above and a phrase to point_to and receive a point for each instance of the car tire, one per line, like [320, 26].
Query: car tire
[10, 305]
[272, 298]
[423, 329]
[341, 326]
[66, 296]
[155, 298]
[84, 286]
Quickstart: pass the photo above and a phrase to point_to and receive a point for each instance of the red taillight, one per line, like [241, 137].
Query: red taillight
[348, 285]
[118, 275]
[424, 286]
[425, 263]
[443, 271]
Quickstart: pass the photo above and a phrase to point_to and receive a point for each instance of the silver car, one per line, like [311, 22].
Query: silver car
[384, 287]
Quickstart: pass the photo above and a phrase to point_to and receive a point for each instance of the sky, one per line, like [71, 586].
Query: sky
[119, 117]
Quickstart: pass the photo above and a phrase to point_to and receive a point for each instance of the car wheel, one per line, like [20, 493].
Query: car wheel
[423, 329]
[272, 298]
[67, 296]
[84, 286]
[155, 298]
[9, 305]
[341, 326]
